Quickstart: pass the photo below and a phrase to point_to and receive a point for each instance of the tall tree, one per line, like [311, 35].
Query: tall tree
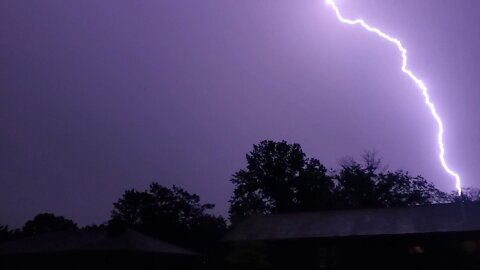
[279, 178]
[171, 214]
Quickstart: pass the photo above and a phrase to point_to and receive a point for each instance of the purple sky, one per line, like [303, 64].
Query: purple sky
[100, 96]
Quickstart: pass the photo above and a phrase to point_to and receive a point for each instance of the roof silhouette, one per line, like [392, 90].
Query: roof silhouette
[92, 241]
[436, 218]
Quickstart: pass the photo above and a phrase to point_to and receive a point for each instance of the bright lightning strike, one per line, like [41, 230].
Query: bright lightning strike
[414, 78]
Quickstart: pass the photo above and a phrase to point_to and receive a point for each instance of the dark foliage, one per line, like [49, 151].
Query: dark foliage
[366, 185]
[5, 233]
[170, 214]
[279, 178]
[43, 223]
[95, 227]
[469, 194]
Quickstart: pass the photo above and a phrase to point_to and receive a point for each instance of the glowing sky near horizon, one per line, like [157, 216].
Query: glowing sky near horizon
[414, 78]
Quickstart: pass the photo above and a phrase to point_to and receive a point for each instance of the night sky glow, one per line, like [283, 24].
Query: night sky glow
[97, 97]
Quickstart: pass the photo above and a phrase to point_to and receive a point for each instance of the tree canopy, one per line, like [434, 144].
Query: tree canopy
[171, 214]
[367, 185]
[5, 233]
[47, 222]
[280, 178]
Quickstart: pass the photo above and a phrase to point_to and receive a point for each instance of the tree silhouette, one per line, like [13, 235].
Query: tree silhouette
[366, 185]
[279, 178]
[48, 222]
[5, 233]
[469, 194]
[171, 214]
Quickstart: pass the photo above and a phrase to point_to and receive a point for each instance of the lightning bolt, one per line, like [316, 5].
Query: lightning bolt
[418, 82]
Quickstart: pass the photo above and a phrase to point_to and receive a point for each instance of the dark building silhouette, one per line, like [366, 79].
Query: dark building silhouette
[94, 249]
[421, 237]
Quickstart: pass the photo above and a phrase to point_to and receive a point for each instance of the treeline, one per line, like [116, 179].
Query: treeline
[278, 178]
